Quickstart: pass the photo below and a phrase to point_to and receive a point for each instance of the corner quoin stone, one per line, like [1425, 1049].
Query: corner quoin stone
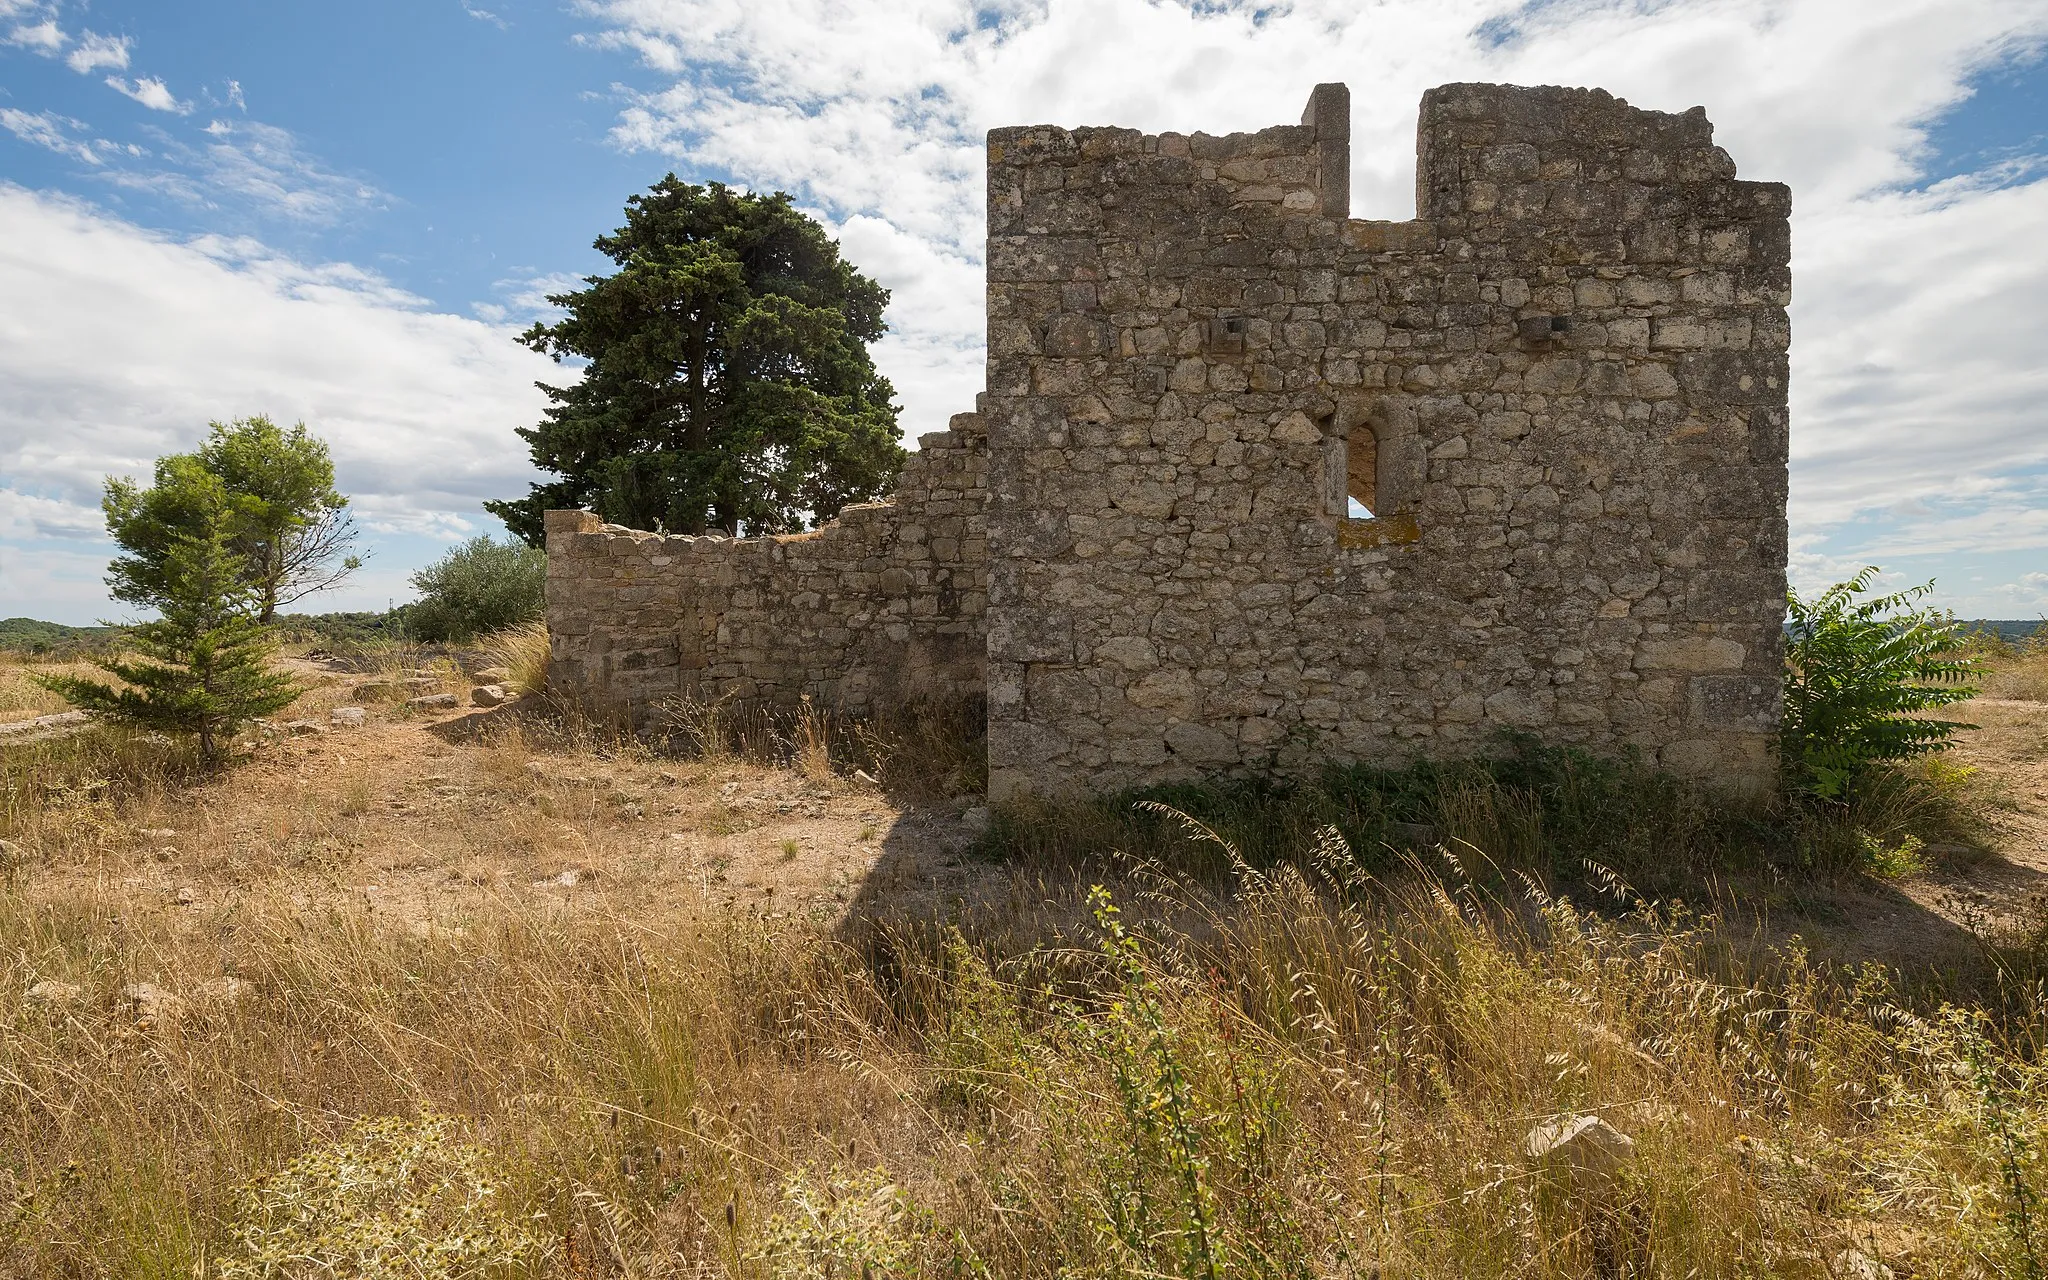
[1570, 370]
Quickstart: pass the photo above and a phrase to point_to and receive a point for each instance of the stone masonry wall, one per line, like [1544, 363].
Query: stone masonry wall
[1567, 377]
[884, 604]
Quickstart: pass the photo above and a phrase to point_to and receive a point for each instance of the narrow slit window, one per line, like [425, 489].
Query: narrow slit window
[1361, 472]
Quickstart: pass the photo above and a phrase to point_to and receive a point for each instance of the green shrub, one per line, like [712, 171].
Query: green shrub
[478, 587]
[1522, 806]
[1856, 678]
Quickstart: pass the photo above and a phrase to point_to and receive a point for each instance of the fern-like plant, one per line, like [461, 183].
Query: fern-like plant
[1857, 672]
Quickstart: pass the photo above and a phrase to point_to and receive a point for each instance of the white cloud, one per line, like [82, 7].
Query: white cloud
[50, 131]
[44, 37]
[136, 340]
[265, 166]
[96, 51]
[1917, 351]
[58, 583]
[247, 167]
[2027, 595]
[525, 299]
[151, 93]
[28, 515]
[1918, 314]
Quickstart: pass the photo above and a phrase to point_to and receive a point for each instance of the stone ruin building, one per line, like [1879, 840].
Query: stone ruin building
[1257, 485]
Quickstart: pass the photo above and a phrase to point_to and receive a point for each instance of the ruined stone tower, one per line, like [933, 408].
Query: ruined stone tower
[1257, 485]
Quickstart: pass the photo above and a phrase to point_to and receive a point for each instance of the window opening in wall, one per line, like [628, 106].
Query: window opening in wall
[1373, 467]
[1361, 472]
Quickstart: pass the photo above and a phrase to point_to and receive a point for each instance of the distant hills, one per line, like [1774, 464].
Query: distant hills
[32, 635]
[36, 636]
[2008, 630]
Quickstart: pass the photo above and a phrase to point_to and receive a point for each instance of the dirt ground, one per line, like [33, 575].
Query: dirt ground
[430, 816]
[1973, 889]
[1965, 895]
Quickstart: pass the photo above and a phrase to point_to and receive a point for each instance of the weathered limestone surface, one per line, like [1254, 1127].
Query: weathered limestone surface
[882, 604]
[1572, 365]
[1563, 387]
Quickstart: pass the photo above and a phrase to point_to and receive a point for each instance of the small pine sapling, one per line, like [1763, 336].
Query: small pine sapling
[199, 668]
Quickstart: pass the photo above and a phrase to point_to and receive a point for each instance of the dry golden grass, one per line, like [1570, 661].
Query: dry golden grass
[2023, 676]
[1291, 1087]
[523, 652]
[1297, 1072]
[21, 698]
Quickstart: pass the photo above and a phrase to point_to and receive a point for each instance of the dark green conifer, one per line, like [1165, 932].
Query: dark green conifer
[728, 384]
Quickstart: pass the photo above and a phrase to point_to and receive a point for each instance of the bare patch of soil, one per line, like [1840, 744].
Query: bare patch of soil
[427, 828]
[1969, 894]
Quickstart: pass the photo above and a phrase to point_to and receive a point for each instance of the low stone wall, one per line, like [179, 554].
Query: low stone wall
[883, 605]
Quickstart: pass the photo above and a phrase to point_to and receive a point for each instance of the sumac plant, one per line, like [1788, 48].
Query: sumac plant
[1858, 674]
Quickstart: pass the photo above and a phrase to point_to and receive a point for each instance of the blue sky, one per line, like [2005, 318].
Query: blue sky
[453, 150]
[343, 212]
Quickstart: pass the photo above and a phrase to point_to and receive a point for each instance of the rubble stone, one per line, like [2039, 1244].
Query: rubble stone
[1586, 1146]
[150, 1002]
[50, 991]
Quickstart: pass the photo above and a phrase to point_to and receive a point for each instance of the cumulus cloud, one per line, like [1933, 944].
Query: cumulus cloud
[150, 92]
[1917, 373]
[96, 51]
[1918, 311]
[137, 340]
[2025, 595]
